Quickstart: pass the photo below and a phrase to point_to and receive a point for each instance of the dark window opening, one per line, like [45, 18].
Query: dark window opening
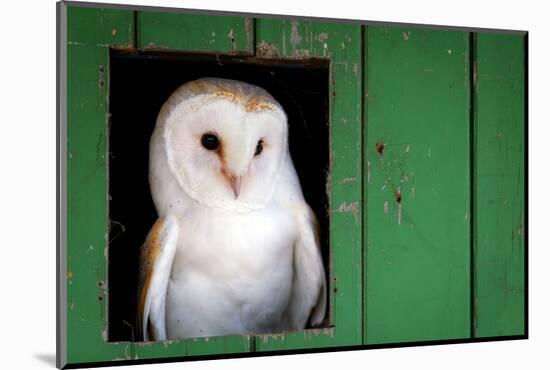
[139, 84]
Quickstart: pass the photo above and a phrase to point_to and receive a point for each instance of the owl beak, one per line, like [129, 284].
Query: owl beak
[235, 182]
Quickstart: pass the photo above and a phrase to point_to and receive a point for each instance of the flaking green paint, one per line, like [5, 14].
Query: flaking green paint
[341, 43]
[499, 185]
[399, 183]
[87, 210]
[190, 32]
[417, 274]
[87, 108]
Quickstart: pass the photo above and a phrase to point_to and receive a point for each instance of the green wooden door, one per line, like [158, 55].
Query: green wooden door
[417, 276]
[87, 217]
[341, 44]
[425, 182]
[499, 171]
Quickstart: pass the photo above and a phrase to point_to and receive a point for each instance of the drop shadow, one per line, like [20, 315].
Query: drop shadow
[46, 358]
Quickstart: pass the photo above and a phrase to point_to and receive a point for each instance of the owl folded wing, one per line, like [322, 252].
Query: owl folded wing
[308, 297]
[157, 255]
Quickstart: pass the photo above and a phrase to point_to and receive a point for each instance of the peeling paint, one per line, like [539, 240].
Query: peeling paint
[398, 196]
[266, 50]
[406, 35]
[380, 148]
[347, 180]
[295, 38]
[323, 37]
[126, 354]
[350, 208]
[101, 76]
[356, 70]
[231, 36]
[386, 208]
[302, 53]
[248, 32]
[407, 148]
[368, 171]
[399, 212]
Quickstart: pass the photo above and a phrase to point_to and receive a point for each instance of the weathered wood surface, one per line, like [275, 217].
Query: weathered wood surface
[194, 32]
[342, 44]
[87, 216]
[417, 276]
[499, 185]
[400, 205]
[87, 212]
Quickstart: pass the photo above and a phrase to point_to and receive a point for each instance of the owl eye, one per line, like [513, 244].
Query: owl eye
[259, 147]
[210, 141]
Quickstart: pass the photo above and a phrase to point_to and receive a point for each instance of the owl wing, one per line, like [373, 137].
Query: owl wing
[157, 255]
[308, 297]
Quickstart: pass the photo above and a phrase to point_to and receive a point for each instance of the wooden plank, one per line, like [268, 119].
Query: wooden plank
[500, 201]
[90, 35]
[342, 44]
[90, 32]
[194, 32]
[417, 218]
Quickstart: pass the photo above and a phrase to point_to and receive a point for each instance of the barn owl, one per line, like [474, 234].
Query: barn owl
[235, 249]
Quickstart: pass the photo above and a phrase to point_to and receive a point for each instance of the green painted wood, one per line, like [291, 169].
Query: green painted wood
[417, 220]
[500, 201]
[407, 191]
[193, 32]
[99, 27]
[342, 44]
[91, 32]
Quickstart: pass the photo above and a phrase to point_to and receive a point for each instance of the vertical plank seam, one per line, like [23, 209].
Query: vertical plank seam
[254, 21]
[363, 187]
[135, 30]
[473, 184]
[525, 184]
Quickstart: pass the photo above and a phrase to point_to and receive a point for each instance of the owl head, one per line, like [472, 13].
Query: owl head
[217, 142]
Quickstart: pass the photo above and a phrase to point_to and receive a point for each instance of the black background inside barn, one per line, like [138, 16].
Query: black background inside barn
[139, 84]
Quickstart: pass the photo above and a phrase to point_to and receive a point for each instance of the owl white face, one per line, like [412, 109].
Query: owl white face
[223, 155]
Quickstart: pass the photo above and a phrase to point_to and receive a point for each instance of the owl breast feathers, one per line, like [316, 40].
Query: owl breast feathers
[235, 249]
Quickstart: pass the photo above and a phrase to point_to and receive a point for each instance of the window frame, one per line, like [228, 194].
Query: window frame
[85, 269]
